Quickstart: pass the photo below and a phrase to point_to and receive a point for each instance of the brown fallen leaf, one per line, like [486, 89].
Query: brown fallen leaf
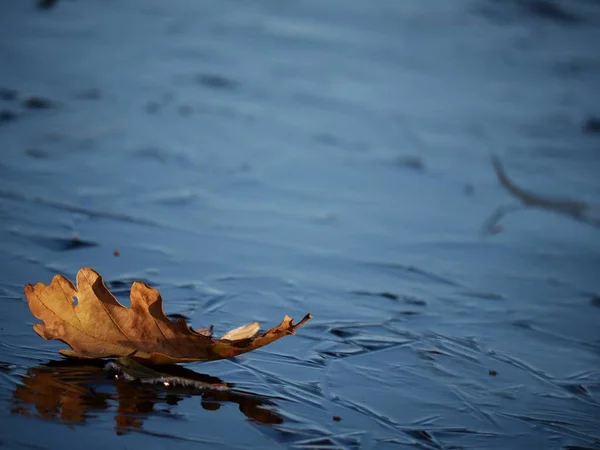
[98, 326]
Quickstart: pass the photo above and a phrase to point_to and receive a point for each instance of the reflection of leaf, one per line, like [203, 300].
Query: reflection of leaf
[98, 326]
[578, 210]
[72, 391]
[47, 388]
[181, 381]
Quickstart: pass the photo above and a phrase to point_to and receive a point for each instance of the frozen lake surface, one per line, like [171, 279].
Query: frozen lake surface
[257, 159]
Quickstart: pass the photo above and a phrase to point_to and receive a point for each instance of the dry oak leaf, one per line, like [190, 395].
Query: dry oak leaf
[98, 326]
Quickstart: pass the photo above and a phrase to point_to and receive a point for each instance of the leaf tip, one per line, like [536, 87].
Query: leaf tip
[29, 290]
[85, 276]
[142, 294]
[39, 329]
[85, 270]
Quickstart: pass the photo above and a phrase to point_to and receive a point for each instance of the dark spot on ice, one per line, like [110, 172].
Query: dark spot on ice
[124, 282]
[592, 125]
[116, 284]
[46, 4]
[388, 295]
[525, 324]
[336, 418]
[342, 333]
[59, 244]
[152, 107]
[7, 116]
[548, 10]
[430, 276]
[410, 162]
[419, 434]
[37, 153]
[492, 372]
[575, 388]
[216, 81]
[35, 102]
[408, 299]
[8, 95]
[409, 313]
[572, 66]
[483, 295]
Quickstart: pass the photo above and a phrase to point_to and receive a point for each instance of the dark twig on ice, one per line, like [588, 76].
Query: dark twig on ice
[578, 210]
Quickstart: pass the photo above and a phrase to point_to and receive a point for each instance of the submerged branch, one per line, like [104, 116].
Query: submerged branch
[577, 210]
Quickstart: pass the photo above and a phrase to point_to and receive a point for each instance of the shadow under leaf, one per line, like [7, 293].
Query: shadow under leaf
[76, 392]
